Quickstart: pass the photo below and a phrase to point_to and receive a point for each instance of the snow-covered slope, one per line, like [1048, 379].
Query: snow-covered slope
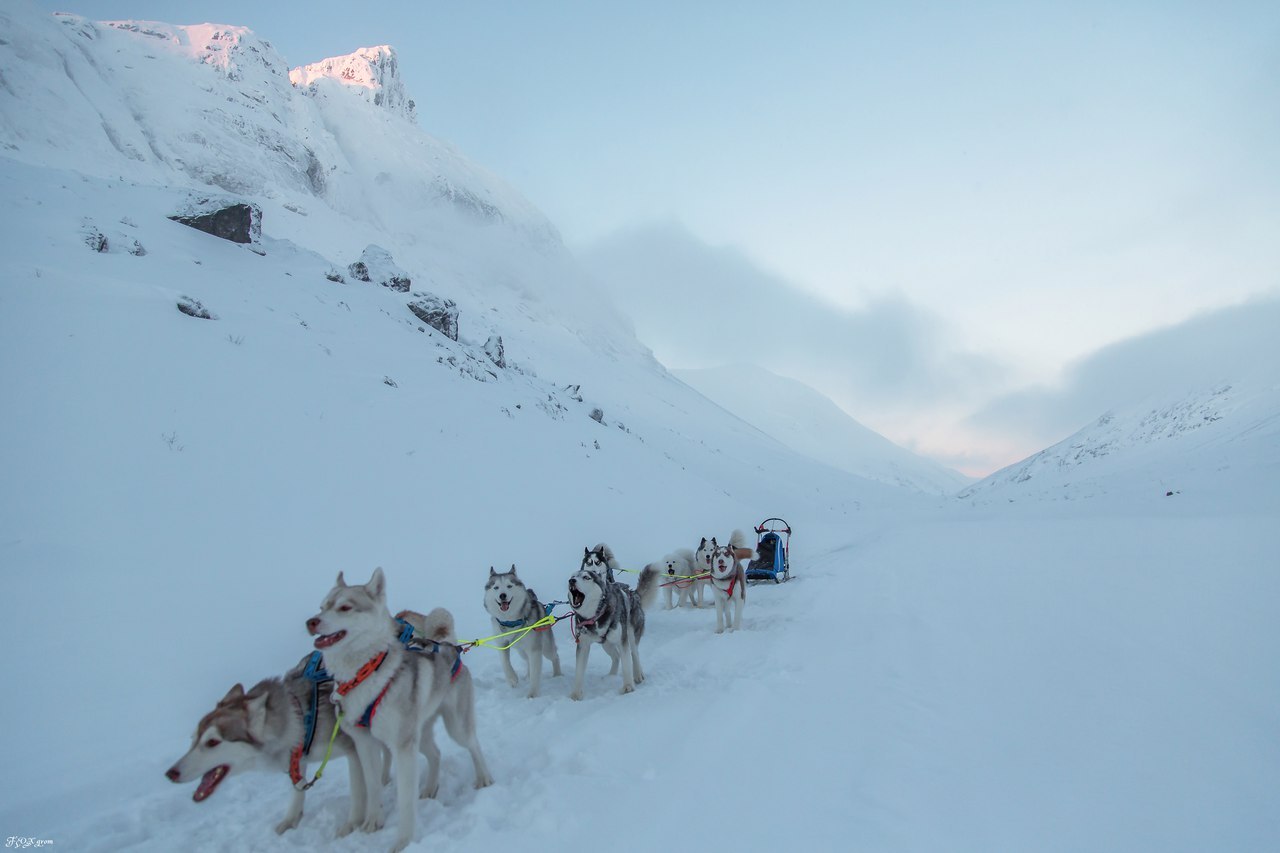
[1161, 445]
[809, 423]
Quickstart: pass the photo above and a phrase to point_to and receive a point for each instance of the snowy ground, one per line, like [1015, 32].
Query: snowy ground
[963, 680]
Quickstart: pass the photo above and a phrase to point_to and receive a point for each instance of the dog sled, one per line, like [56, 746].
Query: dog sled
[773, 552]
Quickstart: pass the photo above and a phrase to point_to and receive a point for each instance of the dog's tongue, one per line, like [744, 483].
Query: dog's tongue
[503, 605]
[209, 782]
[324, 641]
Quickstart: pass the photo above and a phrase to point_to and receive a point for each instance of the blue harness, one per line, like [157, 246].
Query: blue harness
[317, 675]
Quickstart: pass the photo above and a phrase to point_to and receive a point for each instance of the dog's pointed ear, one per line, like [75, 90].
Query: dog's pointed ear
[341, 580]
[235, 694]
[586, 552]
[491, 571]
[703, 543]
[257, 716]
[513, 568]
[377, 585]
[713, 543]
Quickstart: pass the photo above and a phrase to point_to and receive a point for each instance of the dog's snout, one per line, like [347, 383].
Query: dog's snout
[172, 774]
[313, 624]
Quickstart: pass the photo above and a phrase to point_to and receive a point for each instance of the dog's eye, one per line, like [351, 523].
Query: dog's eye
[211, 743]
[344, 608]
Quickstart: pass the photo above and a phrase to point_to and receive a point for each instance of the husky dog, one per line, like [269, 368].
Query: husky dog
[728, 584]
[279, 724]
[513, 606]
[394, 692]
[611, 614]
[680, 576]
[601, 558]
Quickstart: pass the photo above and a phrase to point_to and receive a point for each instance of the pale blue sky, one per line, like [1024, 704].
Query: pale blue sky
[1042, 179]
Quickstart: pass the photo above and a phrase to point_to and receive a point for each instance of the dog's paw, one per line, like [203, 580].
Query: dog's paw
[429, 793]
[400, 844]
[347, 828]
[512, 679]
[576, 695]
[371, 824]
[627, 688]
[719, 630]
[288, 823]
[483, 781]
[532, 694]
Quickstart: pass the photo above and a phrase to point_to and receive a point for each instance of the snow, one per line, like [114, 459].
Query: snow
[1006, 671]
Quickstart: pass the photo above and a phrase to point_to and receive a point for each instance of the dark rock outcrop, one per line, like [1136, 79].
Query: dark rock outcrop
[240, 222]
[438, 313]
[376, 266]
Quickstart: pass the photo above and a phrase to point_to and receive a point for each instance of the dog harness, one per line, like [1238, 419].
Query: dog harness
[370, 667]
[577, 623]
[732, 583]
[317, 675]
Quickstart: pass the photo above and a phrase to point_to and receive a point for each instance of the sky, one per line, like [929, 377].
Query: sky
[1018, 185]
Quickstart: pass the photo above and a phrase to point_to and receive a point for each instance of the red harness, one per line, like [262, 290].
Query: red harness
[369, 668]
[732, 584]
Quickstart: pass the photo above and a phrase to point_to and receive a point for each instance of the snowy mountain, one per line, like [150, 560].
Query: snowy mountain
[1163, 445]
[371, 73]
[809, 423]
[389, 359]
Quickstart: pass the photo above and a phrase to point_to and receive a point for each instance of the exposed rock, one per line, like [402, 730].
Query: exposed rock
[574, 392]
[137, 250]
[95, 239]
[597, 415]
[334, 275]
[493, 348]
[193, 308]
[378, 267]
[239, 222]
[387, 380]
[438, 313]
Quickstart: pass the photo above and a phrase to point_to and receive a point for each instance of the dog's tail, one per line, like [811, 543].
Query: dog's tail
[436, 625]
[647, 586]
[741, 546]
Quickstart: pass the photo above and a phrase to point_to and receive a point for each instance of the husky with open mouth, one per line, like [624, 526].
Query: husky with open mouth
[396, 692]
[728, 585]
[611, 614]
[514, 606]
[279, 724]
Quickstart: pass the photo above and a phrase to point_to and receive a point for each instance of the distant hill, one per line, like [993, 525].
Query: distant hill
[810, 423]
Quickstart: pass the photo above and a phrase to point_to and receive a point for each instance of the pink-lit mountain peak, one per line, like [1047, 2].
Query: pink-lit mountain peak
[370, 72]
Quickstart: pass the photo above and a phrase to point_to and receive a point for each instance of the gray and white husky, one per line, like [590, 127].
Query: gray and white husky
[728, 578]
[611, 614]
[513, 606]
[680, 578]
[601, 559]
[395, 693]
[266, 728]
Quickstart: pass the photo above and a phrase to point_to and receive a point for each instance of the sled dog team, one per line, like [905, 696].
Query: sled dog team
[393, 677]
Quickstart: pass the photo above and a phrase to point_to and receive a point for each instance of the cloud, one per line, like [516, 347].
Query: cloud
[1225, 346]
[697, 305]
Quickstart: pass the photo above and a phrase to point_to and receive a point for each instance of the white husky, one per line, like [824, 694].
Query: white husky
[513, 606]
[680, 578]
[728, 579]
[396, 693]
